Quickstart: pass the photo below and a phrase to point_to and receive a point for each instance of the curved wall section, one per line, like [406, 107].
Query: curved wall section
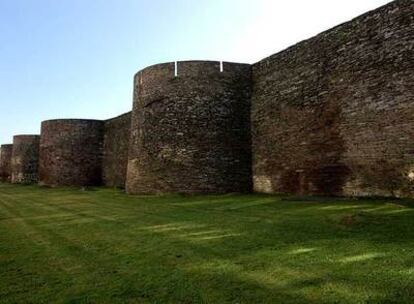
[25, 159]
[190, 133]
[5, 162]
[71, 152]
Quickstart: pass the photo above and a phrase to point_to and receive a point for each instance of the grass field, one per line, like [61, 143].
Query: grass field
[102, 246]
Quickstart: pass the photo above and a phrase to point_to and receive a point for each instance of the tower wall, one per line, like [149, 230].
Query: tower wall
[190, 133]
[25, 159]
[71, 152]
[5, 162]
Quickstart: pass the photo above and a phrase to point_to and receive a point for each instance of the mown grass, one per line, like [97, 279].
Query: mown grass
[102, 246]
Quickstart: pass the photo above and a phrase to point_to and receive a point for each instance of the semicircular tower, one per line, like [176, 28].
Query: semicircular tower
[71, 152]
[190, 129]
[5, 162]
[25, 159]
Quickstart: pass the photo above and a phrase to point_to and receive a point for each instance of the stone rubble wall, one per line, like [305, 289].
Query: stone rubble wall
[335, 114]
[115, 150]
[71, 152]
[5, 162]
[332, 115]
[25, 159]
[190, 133]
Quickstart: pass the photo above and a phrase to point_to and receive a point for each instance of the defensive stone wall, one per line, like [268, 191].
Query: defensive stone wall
[190, 128]
[5, 162]
[334, 114]
[115, 147]
[71, 152]
[25, 159]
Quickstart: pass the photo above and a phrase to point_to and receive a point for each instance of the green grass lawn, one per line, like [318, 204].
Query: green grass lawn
[102, 246]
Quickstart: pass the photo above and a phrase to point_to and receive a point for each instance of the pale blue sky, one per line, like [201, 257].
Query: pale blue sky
[76, 58]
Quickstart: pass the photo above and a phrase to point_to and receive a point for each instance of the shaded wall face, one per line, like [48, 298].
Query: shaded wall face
[5, 162]
[71, 153]
[25, 159]
[191, 133]
[334, 114]
[115, 148]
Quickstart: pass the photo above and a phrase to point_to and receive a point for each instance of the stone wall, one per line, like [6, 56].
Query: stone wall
[115, 148]
[334, 114]
[71, 152]
[5, 162]
[25, 159]
[191, 133]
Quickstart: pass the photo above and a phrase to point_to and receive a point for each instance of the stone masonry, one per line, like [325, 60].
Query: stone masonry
[71, 152]
[190, 131]
[25, 159]
[5, 162]
[335, 114]
[115, 148]
[331, 115]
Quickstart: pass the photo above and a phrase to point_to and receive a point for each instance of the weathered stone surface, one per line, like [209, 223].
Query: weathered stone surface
[115, 156]
[71, 152]
[25, 159]
[191, 133]
[335, 114]
[5, 162]
[332, 115]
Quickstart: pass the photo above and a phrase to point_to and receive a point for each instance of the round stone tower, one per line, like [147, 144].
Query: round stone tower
[25, 159]
[5, 162]
[190, 129]
[71, 152]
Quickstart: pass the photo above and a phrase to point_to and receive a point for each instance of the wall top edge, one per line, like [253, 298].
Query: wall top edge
[72, 120]
[26, 135]
[119, 116]
[378, 10]
[171, 64]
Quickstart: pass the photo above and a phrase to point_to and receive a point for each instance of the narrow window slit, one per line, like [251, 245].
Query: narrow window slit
[175, 68]
[221, 66]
